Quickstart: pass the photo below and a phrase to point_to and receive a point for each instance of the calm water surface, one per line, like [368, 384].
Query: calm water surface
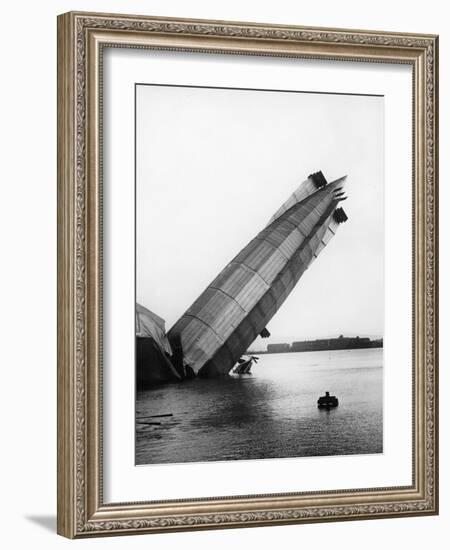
[270, 414]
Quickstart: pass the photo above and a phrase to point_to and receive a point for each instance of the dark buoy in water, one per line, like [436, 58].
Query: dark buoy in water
[327, 401]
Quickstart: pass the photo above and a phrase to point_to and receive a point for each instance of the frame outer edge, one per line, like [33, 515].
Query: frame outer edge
[75, 238]
[65, 281]
[436, 269]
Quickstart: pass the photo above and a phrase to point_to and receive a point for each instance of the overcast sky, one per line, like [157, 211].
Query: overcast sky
[213, 165]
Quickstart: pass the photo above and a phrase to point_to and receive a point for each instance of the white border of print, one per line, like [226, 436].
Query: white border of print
[123, 481]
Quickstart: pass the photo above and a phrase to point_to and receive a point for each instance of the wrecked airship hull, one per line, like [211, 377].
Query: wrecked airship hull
[235, 308]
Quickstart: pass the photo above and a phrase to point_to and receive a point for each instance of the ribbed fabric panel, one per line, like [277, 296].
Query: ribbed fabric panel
[199, 341]
[241, 283]
[218, 310]
[303, 191]
[329, 231]
[285, 237]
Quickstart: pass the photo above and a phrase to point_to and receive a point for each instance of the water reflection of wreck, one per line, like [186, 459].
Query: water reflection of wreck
[235, 308]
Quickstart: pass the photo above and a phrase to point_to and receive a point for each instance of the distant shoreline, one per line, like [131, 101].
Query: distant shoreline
[251, 352]
[324, 344]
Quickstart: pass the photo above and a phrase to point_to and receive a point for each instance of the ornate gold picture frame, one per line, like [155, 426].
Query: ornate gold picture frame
[82, 40]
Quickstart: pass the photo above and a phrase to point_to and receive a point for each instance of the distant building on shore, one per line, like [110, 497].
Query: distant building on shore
[377, 343]
[343, 342]
[278, 348]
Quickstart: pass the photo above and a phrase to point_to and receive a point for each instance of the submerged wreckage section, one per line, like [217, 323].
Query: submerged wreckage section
[235, 308]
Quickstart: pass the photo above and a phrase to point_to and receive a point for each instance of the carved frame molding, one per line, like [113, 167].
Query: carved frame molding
[81, 38]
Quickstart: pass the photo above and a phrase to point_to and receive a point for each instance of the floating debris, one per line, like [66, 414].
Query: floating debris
[327, 401]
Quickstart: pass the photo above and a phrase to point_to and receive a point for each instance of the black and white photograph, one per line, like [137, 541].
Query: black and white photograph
[259, 274]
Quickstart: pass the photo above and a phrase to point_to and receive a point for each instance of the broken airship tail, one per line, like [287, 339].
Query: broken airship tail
[305, 189]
